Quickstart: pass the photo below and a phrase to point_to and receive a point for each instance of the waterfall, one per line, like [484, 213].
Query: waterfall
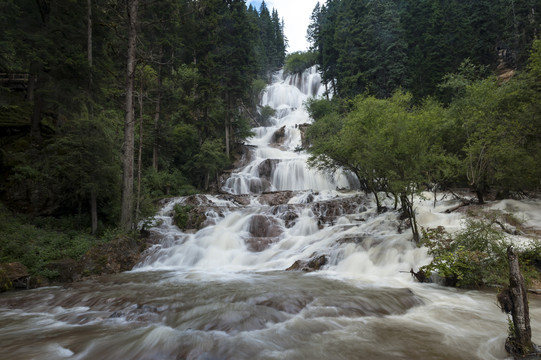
[220, 290]
[287, 96]
[306, 212]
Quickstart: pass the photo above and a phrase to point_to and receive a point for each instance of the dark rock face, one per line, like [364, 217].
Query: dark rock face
[290, 218]
[313, 264]
[279, 135]
[304, 141]
[266, 168]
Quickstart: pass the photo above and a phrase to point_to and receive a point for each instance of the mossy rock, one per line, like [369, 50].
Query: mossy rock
[5, 283]
[189, 217]
[13, 275]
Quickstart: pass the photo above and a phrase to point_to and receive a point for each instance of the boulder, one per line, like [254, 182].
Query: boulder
[290, 218]
[264, 231]
[264, 226]
[276, 198]
[265, 168]
[313, 264]
[14, 276]
[279, 135]
[304, 141]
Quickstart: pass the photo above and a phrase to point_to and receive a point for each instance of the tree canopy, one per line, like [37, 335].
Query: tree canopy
[60, 129]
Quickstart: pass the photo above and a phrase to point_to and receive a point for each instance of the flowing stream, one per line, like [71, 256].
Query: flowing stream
[223, 292]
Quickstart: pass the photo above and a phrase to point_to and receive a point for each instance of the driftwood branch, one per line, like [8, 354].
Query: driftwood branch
[462, 204]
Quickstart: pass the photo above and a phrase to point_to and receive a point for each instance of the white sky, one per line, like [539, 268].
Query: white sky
[296, 15]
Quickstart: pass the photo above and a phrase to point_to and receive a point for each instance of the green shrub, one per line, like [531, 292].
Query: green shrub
[159, 184]
[37, 244]
[265, 114]
[473, 257]
[182, 215]
[298, 61]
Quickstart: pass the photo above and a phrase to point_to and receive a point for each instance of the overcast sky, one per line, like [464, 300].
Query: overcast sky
[296, 15]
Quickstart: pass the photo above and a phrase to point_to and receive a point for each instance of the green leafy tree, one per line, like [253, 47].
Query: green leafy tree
[499, 136]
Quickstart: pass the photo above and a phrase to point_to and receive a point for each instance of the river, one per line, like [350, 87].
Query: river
[223, 292]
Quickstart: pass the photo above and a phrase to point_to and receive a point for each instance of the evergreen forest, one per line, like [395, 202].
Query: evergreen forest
[79, 96]
[429, 95]
[106, 106]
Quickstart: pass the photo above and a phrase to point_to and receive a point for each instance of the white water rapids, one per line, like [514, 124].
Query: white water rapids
[223, 293]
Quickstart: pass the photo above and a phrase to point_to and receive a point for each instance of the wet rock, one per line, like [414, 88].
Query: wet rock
[258, 186]
[264, 226]
[290, 218]
[329, 211]
[351, 239]
[279, 135]
[313, 264]
[266, 168]
[14, 276]
[287, 212]
[243, 155]
[264, 231]
[196, 200]
[259, 244]
[304, 141]
[276, 198]
[243, 200]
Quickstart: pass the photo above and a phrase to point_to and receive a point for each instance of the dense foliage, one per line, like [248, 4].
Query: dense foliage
[476, 255]
[380, 46]
[428, 95]
[199, 67]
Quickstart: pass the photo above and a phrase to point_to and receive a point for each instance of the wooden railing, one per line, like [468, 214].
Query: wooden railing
[14, 81]
[5, 77]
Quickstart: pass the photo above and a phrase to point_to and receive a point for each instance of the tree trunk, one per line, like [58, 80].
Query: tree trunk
[89, 57]
[378, 203]
[157, 115]
[36, 93]
[35, 125]
[480, 196]
[515, 301]
[89, 38]
[227, 136]
[94, 211]
[140, 152]
[126, 216]
[409, 211]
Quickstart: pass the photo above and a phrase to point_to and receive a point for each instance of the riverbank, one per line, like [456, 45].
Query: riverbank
[43, 251]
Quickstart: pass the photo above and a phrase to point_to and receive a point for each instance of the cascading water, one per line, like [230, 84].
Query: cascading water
[223, 293]
[277, 164]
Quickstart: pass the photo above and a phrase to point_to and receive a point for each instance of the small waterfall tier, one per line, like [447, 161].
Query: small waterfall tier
[278, 161]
